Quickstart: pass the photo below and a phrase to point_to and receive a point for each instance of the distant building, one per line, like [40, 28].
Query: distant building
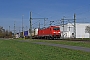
[17, 35]
[68, 30]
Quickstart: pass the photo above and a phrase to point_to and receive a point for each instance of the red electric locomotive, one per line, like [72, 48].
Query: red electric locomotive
[52, 32]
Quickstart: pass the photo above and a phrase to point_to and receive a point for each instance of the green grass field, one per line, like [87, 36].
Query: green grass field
[17, 50]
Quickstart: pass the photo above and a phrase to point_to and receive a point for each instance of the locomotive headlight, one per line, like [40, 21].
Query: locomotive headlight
[58, 32]
[54, 32]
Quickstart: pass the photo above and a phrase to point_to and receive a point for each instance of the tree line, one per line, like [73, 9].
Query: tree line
[5, 33]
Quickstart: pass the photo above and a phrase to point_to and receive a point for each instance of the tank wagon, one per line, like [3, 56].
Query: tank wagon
[51, 32]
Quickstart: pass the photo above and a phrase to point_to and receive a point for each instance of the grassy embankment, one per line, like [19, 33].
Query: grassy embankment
[15, 50]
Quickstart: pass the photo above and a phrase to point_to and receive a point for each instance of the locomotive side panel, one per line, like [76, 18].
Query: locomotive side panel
[49, 33]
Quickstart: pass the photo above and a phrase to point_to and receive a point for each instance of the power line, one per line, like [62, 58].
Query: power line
[14, 29]
[22, 25]
[31, 23]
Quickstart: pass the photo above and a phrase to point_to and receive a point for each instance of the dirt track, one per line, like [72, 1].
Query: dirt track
[65, 46]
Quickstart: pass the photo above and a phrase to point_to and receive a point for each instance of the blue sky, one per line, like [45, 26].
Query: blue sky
[12, 10]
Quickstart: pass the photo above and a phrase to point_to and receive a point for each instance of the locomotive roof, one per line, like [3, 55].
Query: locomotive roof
[48, 27]
[54, 26]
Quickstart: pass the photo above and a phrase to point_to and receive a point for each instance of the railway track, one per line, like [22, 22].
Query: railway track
[77, 40]
[84, 40]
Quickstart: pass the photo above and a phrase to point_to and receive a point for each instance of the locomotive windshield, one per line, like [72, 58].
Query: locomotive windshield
[56, 28]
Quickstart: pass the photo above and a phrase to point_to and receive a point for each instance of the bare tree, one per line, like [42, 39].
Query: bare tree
[2, 31]
[5, 33]
[87, 30]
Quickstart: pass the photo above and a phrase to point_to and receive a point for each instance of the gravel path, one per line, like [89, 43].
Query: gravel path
[65, 46]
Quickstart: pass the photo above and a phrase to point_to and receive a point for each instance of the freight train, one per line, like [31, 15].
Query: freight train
[51, 32]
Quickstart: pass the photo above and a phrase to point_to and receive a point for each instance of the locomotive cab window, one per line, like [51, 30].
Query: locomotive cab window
[56, 28]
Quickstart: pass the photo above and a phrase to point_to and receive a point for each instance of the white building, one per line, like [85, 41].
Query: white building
[68, 30]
